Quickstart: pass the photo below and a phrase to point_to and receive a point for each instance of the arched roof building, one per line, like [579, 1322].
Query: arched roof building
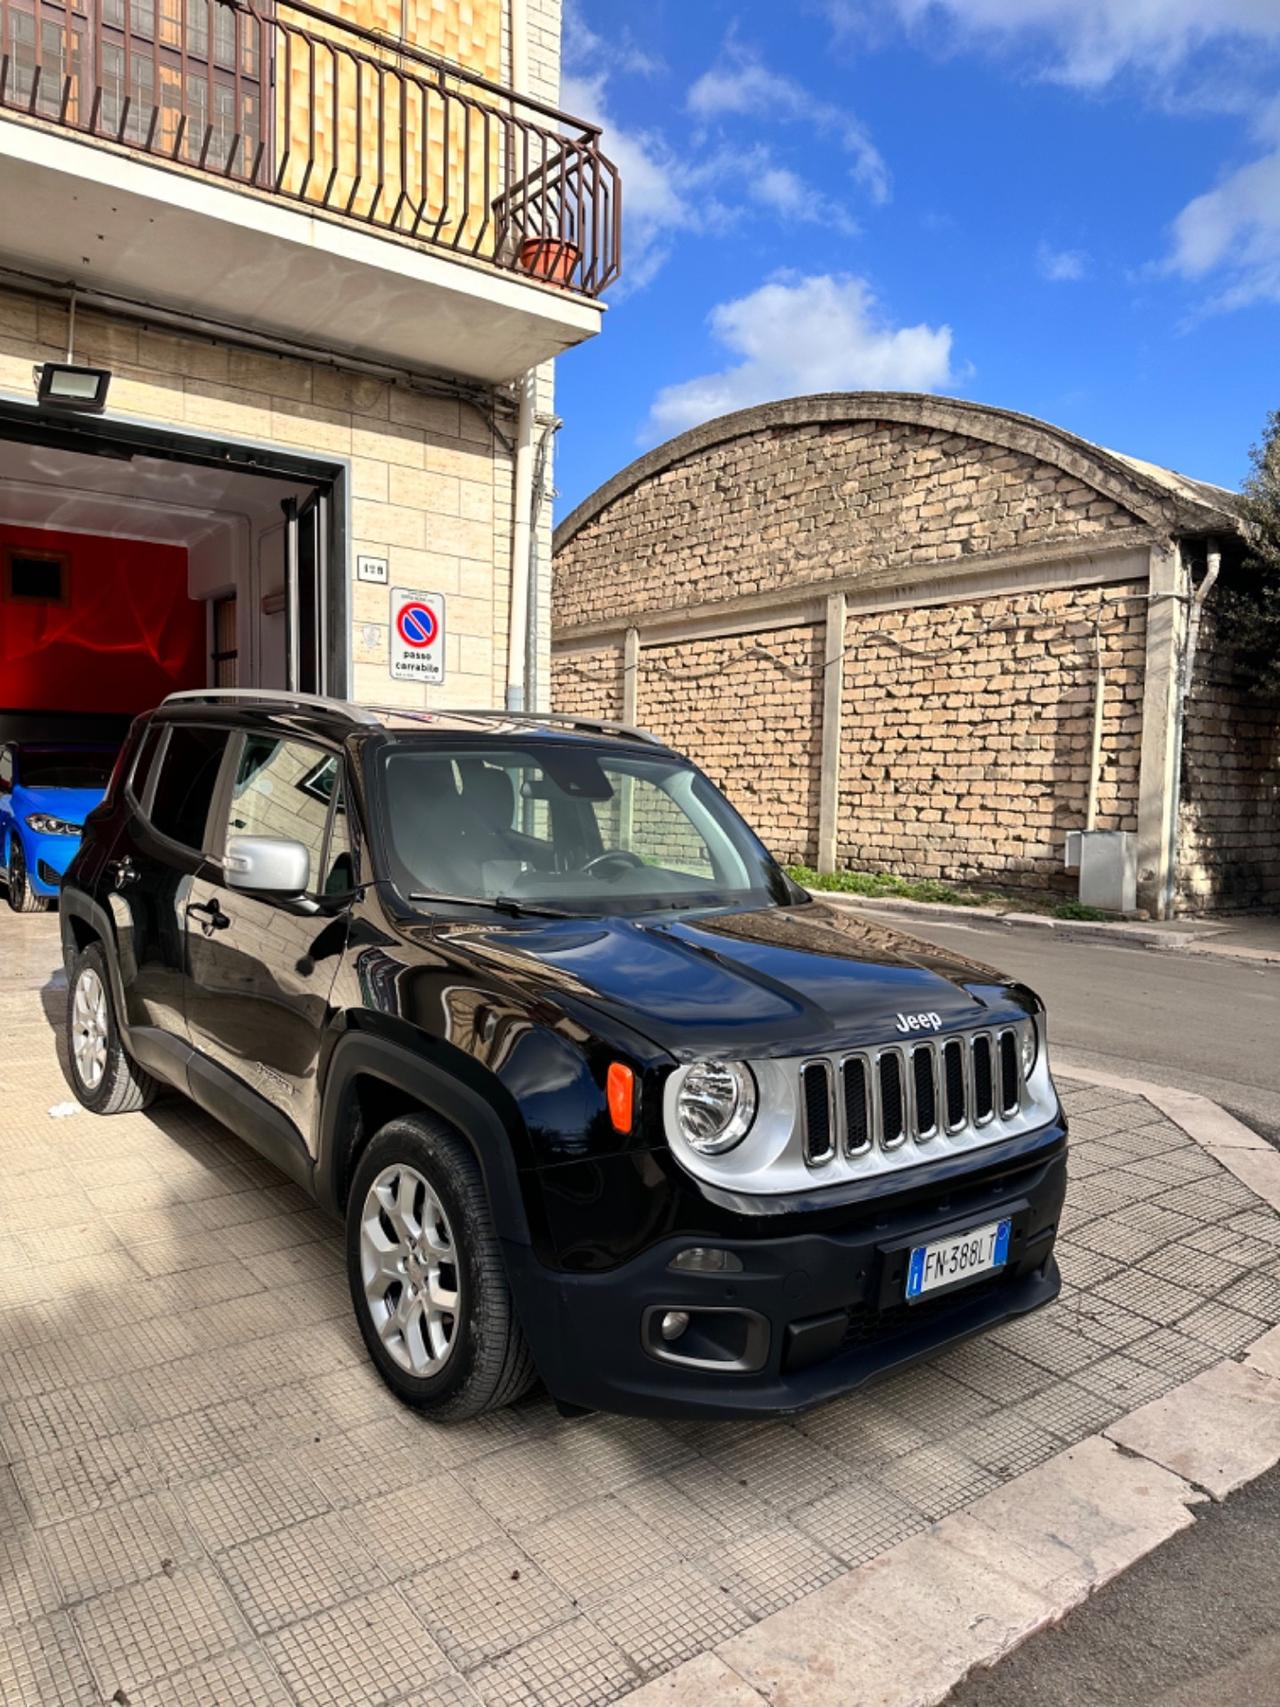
[876, 618]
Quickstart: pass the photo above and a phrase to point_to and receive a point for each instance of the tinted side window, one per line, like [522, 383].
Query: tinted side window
[283, 789]
[184, 788]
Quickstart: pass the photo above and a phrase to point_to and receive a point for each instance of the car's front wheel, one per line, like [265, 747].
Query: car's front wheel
[427, 1277]
[22, 898]
[103, 1075]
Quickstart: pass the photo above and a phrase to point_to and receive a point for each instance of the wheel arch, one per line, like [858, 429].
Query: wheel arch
[370, 1081]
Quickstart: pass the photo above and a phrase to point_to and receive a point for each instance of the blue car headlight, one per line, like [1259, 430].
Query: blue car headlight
[44, 825]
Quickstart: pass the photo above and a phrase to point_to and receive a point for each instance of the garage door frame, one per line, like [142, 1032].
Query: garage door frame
[123, 439]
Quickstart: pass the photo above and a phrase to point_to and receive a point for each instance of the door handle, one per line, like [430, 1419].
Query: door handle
[210, 914]
[121, 871]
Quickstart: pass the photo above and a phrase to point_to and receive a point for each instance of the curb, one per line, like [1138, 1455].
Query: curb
[1069, 930]
[962, 1595]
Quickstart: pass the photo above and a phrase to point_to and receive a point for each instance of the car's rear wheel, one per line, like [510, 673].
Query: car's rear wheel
[22, 898]
[103, 1075]
[427, 1277]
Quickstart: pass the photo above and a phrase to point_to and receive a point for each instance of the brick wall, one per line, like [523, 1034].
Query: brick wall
[589, 683]
[431, 490]
[797, 503]
[752, 722]
[967, 734]
[1229, 829]
[967, 730]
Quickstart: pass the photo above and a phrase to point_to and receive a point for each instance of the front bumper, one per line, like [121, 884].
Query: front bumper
[823, 1312]
[47, 859]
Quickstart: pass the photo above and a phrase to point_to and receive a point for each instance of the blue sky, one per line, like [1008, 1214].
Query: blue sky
[1065, 207]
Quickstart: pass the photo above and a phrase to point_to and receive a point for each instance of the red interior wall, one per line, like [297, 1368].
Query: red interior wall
[128, 635]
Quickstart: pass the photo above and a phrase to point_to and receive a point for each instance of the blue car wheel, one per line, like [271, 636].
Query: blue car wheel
[21, 896]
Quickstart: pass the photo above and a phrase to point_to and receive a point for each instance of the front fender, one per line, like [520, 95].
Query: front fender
[466, 1108]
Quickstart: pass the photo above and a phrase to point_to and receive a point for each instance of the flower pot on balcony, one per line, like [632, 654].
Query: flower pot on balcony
[549, 258]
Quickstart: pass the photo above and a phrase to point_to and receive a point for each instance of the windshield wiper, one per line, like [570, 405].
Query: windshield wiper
[500, 904]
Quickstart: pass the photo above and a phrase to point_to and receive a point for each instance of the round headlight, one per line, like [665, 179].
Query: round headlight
[716, 1105]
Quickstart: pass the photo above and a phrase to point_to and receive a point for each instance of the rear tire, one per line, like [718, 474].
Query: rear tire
[427, 1277]
[105, 1078]
[21, 897]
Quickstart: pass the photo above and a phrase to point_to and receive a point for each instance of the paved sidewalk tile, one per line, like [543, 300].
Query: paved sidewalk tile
[210, 1499]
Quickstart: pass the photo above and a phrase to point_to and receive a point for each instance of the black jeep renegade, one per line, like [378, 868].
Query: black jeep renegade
[601, 1094]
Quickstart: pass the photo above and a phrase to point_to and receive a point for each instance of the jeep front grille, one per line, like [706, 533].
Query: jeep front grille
[911, 1093]
[841, 1116]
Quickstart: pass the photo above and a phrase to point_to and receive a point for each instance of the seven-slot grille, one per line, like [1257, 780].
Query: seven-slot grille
[910, 1092]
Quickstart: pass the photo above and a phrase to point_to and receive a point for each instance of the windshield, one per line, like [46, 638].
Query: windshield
[65, 767]
[569, 827]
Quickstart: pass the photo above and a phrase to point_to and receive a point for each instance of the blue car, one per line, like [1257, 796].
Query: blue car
[47, 790]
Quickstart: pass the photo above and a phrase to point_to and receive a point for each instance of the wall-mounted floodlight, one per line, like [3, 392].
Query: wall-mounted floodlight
[68, 385]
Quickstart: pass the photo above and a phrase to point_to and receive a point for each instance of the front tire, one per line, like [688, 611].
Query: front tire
[104, 1077]
[427, 1278]
[21, 896]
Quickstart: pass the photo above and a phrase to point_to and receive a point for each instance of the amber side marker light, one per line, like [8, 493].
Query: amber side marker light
[620, 1088]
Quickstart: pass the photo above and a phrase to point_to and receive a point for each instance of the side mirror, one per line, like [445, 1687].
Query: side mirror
[268, 865]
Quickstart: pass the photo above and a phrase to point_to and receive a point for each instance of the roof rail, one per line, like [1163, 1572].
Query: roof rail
[281, 697]
[600, 725]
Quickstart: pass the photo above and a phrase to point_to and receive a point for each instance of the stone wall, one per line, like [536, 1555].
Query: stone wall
[967, 734]
[804, 503]
[1229, 828]
[430, 487]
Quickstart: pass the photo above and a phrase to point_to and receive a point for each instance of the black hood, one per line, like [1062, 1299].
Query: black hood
[778, 981]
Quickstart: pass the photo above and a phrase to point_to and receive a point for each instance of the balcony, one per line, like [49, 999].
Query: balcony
[289, 171]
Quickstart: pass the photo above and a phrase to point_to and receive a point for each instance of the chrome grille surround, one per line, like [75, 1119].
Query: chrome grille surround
[852, 1140]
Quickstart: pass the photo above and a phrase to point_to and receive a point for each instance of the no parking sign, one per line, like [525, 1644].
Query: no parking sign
[417, 636]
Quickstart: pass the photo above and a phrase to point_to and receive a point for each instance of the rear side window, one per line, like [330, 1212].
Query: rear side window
[185, 785]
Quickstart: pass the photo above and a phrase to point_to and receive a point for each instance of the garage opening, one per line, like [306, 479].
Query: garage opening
[136, 563]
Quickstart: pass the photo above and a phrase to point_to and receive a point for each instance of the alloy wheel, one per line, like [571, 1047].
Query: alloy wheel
[89, 1029]
[409, 1267]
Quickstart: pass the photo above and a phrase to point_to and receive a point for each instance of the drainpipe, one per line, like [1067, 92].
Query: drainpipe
[1095, 761]
[521, 545]
[525, 456]
[1213, 561]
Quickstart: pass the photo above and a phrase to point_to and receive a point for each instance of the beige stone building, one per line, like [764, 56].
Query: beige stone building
[932, 638]
[327, 253]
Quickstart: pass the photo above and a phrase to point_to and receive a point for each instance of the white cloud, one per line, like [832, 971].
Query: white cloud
[1234, 230]
[741, 83]
[654, 207]
[1061, 266]
[1088, 42]
[584, 47]
[798, 335]
[787, 195]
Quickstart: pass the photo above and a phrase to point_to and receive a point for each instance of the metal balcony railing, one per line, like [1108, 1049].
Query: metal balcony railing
[287, 99]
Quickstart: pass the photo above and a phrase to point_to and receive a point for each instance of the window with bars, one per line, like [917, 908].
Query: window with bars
[180, 77]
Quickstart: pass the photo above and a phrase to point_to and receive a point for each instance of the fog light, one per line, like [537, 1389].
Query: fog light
[705, 1259]
[673, 1324]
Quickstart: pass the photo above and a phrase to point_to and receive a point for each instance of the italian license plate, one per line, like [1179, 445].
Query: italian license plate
[950, 1262]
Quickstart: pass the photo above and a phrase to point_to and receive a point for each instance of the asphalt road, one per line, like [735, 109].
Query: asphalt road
[1194, 1624]
[1205, 1025]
